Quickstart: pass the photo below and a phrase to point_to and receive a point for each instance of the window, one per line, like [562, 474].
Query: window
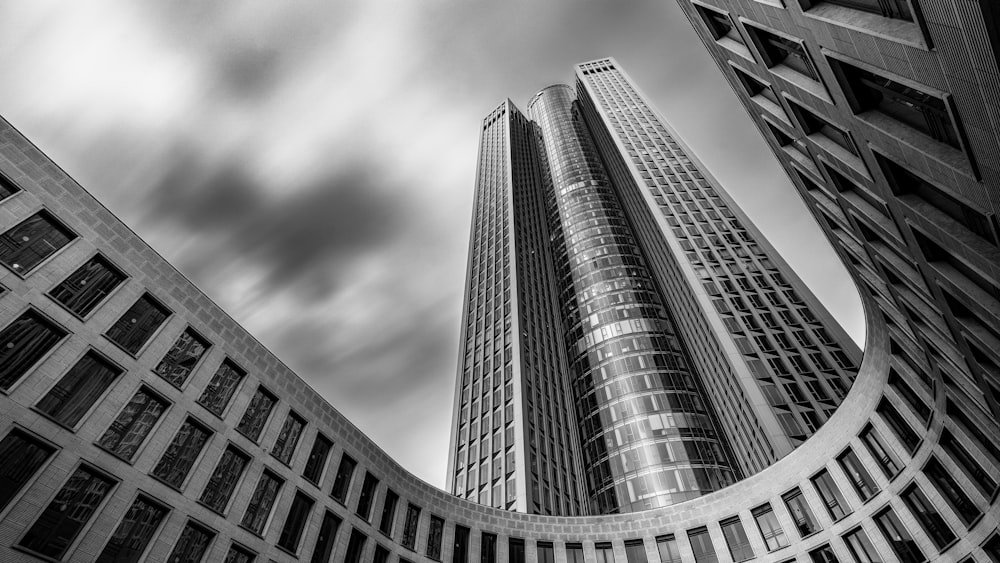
[867, 91]
[7, 187]
[858, 475]
[79, 389]
[176, 366]
[434, 535]
[488, 550]
[134, 328]
[780, 50]
[381, 554]
[368, 489]
[133, 424]
[770, 528]
[949, 489]
[180, 456]
[317, 459]
[754, 86]
[515, 550]
[261, 503]
[410, 526]
[928, 517]
[912, 189]
[701, 545]
[718, 24]
[805, 523]
[736, 539]
[972, 469]
[255, 417]
[830, 493]
[460, 554]
[861, 547]
[898, 537]
[895, 9]
[295, 522]
[823, 554]
[666, 547]
[288, 438]
[326, 539]
[23, 343]
[342, 482]
[814, 124]
[899, 426]
[33, 240]
[882, 453]
[237, 554]
[224, 479]
[221, 388]
[132, 535]
[193, 543]
[388, 512]
[58, 525]
[355, 547]
[635, 552]
[21, 456]
[85, 288]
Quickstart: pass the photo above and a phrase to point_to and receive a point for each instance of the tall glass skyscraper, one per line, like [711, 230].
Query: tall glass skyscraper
[630, 340]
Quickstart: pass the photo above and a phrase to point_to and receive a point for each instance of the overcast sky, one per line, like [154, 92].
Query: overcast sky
[310, 165]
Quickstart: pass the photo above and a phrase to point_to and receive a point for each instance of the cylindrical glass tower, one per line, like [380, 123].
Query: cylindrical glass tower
[647, 435]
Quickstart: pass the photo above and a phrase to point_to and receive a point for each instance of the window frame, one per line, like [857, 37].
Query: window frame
[111, 265]
[74, 236]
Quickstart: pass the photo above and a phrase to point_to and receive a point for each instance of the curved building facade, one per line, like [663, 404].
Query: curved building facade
[647, 436]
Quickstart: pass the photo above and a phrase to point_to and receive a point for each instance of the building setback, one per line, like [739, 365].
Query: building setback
[691, 353]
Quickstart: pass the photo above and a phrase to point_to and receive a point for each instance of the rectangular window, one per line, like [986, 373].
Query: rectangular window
[805, 522]
[972, 469]
[515, 550]
[7, 187]
[237, 554]
[814, 124]
[326, 539]
[23, 343]
[830, 493]
[180, 456]
[460, 554]
[898, 537]
[58, 525]
[295, 522]
[928, 517]
[899, 426]
[823, 554]
[895, 9]
[368, 489]
[193, 543]
[388, 512]
[770, 528]
[780, 50]
[221, 388]
[488, 549]
[701, 545]
[666, 547]
[255, 417]
[134, 532]
[33, 240]
[718, 24]
[261, 503]
[342, 482]
[409, 540]
[85, 288]
[736, 539]
[883, 454]
[177, 364]
[381, 554]
[355, 547]
[288, 438]
[434, 535]
[861, 547]
[224, 479]
[858, 475]
[133, 424]
[133, 329]
[79, 389]
[949, 489]
[635, 552]
[21, 456]
[317, 459]
[867, 91]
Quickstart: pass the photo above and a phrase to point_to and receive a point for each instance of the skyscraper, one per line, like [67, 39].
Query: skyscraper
[655, 347]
